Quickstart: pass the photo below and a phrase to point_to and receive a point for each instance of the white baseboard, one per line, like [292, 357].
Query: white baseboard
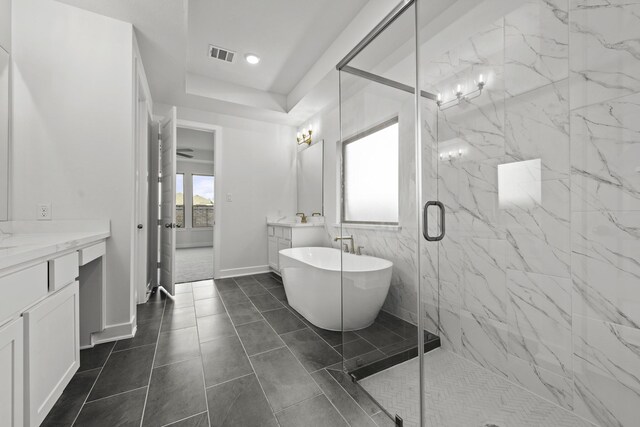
[193, 245]
[116, 332]
[244, 271]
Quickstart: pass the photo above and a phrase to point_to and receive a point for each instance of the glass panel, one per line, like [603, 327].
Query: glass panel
[379, 288]
[180, 200]
[202, 210]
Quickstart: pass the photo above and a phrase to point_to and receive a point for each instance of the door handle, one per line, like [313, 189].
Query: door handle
[169, 225]
[140, 226]
[425, 221]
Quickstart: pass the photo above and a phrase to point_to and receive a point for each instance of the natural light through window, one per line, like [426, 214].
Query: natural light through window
[202, 201]
[371, 176]
[180, 200]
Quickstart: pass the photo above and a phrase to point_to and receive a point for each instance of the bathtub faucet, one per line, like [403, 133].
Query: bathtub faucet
[346, 246]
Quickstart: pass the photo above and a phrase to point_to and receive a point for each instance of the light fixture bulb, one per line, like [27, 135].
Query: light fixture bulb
[252, 59]
[439, 96]
[481, 79]
[459, 89]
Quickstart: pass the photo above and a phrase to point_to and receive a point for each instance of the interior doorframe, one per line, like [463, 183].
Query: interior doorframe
[217, 186]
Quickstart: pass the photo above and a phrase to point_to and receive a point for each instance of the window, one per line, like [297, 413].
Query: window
[370, 175]
[202, 210]
[180, 200]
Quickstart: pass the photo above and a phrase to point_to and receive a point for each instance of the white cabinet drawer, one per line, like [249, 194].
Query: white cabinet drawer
[279, 232]
[86, 255]
[62, 271]
[11, 374]
[286, 233]
[52, 351]
[21, 289]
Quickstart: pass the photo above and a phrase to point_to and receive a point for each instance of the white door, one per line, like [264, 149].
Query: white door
[168, 202]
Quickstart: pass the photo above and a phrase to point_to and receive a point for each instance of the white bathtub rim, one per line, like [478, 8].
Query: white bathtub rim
[385, 263]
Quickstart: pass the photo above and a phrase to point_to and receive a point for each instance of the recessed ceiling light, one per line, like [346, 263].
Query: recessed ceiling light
[252, 59]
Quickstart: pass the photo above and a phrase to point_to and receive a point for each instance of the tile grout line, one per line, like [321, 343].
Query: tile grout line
[93, 385]
[327, 397]
[115, 394]
[186, 418]
[146, 397]
[247, 354]
[204, 378]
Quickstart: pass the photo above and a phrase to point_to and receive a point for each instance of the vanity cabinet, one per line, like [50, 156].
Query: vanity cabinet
[52, 351]
[291, 236]
[11, 374]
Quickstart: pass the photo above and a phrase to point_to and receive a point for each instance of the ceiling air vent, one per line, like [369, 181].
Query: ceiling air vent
[221, 54]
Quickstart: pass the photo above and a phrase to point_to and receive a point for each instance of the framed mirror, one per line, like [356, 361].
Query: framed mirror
[310, 179]
[4, 134]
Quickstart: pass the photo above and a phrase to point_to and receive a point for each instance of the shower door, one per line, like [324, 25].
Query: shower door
[380, 213]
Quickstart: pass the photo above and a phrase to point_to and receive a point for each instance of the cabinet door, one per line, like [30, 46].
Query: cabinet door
[11, 374]
[52, 351]
[283, 244]
[273, 253]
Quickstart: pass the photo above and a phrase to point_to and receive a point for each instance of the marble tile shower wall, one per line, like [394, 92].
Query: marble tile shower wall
[539, 276]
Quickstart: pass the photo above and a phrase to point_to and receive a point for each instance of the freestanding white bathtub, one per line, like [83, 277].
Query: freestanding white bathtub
[312, 283]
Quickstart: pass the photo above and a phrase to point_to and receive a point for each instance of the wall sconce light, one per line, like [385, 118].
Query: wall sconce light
[461, 96]
[304, 137]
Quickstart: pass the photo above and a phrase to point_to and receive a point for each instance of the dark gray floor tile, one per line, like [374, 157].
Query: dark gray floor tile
[316, 412]
[355, 348]
[178, 345]
[147, 312]
[279, 293]
[124, 371]
[310, 349]
[253, 288]
[200, 420]
[95, 357]
[283, 321]
[258, 337]
[348, 407]
[178, 318]
[363, 359]
[181, 300]
[400, 346]
[208, 307]
[240, 402]
[146, 334]
[176, 392]
[213, 327]
[202, 283]
[265, 302]
[225, 284]
[284, 380]
[270, 282]
[204, 292]
[262, 276]
[182, 288]
[332, 337]
[397, 325]
[122, 410]
[224, 359]
[242, 280]
[243, 313]
[355, 392]
[69, 404]
[234, 296]
[379, 336]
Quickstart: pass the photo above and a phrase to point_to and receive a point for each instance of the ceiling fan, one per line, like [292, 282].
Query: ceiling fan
[181, 152]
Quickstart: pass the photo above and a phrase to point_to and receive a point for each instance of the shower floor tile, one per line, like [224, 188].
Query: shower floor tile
[460, 393]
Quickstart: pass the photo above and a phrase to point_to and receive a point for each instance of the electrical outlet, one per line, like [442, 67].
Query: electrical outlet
[44, 212]
[229, 197]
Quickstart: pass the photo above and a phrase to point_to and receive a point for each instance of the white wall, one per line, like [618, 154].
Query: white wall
[72, 127]
[5, 25]
[258, 169]
[190, 237]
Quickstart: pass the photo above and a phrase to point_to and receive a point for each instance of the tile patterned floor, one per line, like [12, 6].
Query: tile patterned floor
[231, 353]
[460, 393]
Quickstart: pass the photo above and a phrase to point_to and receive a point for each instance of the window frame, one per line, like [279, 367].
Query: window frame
[184, 218]
[356, 137]
[193, 226]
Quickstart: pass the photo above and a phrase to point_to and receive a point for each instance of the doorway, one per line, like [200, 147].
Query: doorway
[195, 204]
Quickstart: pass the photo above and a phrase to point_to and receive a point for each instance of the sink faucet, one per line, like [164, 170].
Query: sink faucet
[346, 246]
[303, 216]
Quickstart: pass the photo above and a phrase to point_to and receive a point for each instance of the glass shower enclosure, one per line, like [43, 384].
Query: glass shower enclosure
[498, 141]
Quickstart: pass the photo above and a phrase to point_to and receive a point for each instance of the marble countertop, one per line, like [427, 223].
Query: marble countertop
[296, 224]
[21, 245]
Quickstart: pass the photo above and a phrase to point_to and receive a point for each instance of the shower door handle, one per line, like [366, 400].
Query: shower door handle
[425, 221]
